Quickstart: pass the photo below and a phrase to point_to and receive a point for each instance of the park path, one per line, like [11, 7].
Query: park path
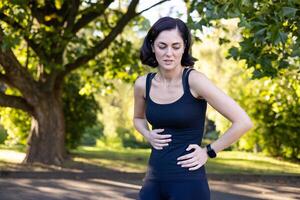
[105, 189]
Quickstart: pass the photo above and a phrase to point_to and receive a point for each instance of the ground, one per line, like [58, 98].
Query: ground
[102, 183]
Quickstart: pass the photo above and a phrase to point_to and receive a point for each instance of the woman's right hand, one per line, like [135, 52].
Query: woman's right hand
[158, 141]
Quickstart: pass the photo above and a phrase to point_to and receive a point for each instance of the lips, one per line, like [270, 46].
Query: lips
[168, 61]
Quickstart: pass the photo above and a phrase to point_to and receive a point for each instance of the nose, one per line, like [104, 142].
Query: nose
[169, 52]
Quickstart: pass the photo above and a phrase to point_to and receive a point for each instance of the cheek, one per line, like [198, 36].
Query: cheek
[178, 54]
[159, 53]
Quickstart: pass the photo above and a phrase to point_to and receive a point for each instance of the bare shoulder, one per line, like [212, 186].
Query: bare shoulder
[140, 82]
[140, 85]
[200, 84]
[196, 75]
[197, 79]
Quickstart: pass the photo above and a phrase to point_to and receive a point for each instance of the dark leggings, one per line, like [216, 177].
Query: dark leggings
[175, 190]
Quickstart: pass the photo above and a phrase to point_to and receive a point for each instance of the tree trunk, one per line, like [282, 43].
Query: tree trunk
[46, 142]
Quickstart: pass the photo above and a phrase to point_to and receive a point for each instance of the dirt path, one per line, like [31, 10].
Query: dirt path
[104, 189]
[87, 182]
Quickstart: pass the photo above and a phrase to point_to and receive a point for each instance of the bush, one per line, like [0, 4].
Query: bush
[3, 135]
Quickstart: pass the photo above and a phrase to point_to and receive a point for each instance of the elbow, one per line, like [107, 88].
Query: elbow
[245, 124]
[248, 124]
[134, 122]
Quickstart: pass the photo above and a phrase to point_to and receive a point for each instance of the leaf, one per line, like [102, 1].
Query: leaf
[260, 32]
[244, 23]
[223, 41]
[283, 36]
[257, 74]
[289, 12]
[283, 64]
[296, 52]
[234, 52]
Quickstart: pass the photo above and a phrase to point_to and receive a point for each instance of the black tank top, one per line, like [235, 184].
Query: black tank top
[184, 120]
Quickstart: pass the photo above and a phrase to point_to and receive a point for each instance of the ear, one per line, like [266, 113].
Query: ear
[152, 47]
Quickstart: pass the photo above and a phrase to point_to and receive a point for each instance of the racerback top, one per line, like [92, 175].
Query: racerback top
[184, 120]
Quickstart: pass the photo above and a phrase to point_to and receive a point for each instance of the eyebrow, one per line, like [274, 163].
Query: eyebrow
[172, 43]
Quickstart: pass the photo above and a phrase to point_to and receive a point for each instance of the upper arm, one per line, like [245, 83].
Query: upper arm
[216, 97]
[139, 97]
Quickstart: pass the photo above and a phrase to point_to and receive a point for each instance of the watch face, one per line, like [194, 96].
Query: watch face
[212, 153]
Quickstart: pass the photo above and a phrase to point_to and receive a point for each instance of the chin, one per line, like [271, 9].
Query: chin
[168, 67]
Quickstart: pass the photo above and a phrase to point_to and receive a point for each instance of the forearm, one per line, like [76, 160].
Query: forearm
[141, 125]
[231, 135]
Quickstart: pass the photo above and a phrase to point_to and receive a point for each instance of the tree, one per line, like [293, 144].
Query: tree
[80, 111]
[271, 103]
[270, 31]
[80, 114]
[50, 41]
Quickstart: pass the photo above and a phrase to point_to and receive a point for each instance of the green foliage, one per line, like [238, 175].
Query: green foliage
[272, 104]
[80, 115]
[129, 139]
[3, 135]
[91, 134]
[80, 112]
[119, 61]
[270, 31]
[227, 162]
[16, 124]
[275, 108]
[116, 116]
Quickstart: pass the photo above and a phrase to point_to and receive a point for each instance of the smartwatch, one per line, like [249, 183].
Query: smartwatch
[210, 152]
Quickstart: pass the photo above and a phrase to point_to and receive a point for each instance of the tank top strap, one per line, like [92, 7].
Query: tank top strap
[185, 78]
[148, 83]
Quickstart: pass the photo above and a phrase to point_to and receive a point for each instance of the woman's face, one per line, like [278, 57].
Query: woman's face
[168, 48]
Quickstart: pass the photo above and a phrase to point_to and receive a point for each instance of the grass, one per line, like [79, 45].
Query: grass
[135, 160]
[127, 160]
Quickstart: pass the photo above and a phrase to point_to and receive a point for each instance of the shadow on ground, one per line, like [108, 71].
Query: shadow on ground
[90, 182]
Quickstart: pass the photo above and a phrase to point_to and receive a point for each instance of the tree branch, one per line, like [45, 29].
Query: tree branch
[40, 12]
[5, 79]
[15, 25]
[15, 102]
[71, 10]
[17, 74]
[158, 3]
[10, 21]
[90, 15]
[93, 51]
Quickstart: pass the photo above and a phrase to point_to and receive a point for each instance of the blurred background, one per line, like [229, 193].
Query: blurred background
[67, 70]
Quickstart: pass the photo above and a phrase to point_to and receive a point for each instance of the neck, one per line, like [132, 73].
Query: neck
[169, 76]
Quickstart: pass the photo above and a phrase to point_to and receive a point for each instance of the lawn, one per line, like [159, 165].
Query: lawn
[135, 160]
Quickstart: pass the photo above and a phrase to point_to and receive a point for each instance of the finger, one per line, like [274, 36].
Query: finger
[161, 145]
[165, 136]
[188, 161]
[157, 147]
[196, 167]
[187, 156]
[162, 141]
[192, 146]
[158, 130]
[193, 164]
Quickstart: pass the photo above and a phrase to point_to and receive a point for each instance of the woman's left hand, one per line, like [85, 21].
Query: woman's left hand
[195, 159]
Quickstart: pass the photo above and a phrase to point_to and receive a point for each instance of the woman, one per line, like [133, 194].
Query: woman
[173, 100]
